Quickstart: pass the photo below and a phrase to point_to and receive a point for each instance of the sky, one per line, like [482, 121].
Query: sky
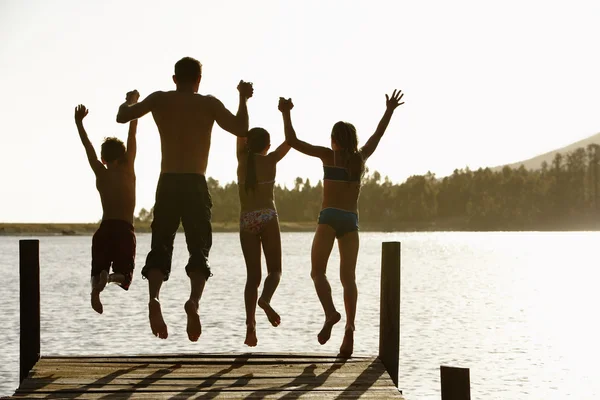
[485, 83]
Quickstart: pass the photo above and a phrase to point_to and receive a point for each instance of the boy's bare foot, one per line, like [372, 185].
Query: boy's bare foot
[325, 333]
[251, 339]
[116, 278]
[347, 346]
[157, 323]
[194, 328]
[272, 315]
[98, 285]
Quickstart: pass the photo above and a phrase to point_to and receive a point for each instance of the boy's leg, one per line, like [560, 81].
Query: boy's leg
[100, 265]
[124, 263]
[196, 218]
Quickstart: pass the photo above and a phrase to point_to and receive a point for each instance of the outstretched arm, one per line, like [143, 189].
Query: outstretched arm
[131, 109]
[80, 113]
[240, 146]
[132, 98]
[280, 151]
[132, 142]
[391, 104]
[236, 124]
[285, 106]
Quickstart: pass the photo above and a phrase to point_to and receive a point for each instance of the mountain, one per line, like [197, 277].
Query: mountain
[536, 162]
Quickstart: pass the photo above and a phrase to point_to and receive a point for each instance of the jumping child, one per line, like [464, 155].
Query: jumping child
[343, 167]
[114, 242]
[259, 224]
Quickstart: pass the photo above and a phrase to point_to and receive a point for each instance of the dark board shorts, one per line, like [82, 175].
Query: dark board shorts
[114, 243]
[181, 198]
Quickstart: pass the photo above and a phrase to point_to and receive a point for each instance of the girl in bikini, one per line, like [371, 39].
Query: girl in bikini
[259, 224]
[343, 167]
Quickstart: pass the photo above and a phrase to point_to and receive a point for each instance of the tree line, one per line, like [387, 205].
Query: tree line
[485, 199]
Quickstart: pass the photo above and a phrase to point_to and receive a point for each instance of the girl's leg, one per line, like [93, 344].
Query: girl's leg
[271, 243]
[321, 249]
[348, 245]
[251, 249]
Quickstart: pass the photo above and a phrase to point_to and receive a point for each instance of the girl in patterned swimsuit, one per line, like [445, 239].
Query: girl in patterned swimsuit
[343, 167]
[259, 225]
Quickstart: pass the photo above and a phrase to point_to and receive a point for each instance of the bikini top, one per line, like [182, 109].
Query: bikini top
[335, 173]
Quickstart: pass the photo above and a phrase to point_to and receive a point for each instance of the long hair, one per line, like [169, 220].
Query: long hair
[344, 135]
[258, 140]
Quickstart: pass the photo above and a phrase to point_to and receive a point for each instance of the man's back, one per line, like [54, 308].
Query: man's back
[185, 122]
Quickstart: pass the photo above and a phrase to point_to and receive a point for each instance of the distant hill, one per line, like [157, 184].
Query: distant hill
[536, 162]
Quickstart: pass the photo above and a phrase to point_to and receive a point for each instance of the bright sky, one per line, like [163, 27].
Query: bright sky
[486, 83]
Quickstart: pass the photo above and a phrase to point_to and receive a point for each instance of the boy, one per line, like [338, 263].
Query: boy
[114, 242]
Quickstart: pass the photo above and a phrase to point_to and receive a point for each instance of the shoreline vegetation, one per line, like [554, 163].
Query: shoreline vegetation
[580, 223]
[563, 195]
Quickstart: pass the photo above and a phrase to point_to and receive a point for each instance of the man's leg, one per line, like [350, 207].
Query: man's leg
[158, 262]
[196, 216]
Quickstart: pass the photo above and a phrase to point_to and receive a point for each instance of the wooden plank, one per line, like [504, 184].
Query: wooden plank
[208, 376]
[299, 394]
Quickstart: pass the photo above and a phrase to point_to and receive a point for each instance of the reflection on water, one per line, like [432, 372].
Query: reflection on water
[518, 309]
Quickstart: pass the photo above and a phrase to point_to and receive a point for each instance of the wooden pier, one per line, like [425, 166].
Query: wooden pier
[208, 376]
[225, 375]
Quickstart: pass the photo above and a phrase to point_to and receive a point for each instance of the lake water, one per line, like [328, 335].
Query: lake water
[519, 309]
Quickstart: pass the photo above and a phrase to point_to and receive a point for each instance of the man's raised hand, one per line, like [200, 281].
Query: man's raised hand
[392, 102]
[285, 104]
[245, 88]
[80, 112]
[132, 97]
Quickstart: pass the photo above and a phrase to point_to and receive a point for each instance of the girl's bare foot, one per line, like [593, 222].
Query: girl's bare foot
[194, 328]
[325, 333]
[98, 285]
[347, 346]
[272, 315]
[251, 339]
[157, 323]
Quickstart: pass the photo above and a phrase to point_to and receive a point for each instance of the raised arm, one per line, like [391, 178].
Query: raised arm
[285, 106]
[236, 124]
[240, 146]
[390, 106]
[130, 110]
[132, 142]
[280, 151]
[132, 98]
[80, 113]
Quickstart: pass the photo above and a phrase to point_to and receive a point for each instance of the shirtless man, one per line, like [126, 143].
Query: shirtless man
[114, 241]
[184, 119]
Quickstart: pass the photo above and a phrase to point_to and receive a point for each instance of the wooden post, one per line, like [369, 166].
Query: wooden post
[389, 313]
[456, 384]
[29, 272]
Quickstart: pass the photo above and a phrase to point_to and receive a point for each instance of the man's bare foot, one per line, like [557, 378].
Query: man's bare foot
[325, 333]
[251, 339]
[347, 346]
[157, 323]
[98, 285]
[194, 328]
[272, 315]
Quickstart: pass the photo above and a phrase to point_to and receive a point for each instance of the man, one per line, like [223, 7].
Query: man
[184, 119]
